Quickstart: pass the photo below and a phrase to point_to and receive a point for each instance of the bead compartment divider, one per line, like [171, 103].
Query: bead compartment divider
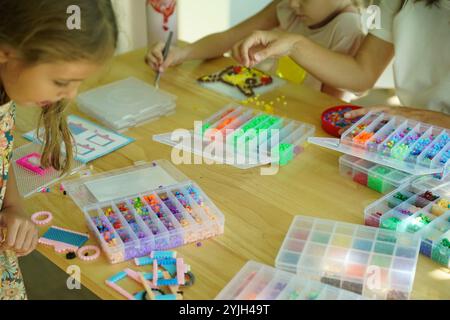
[343, 255]
[256, 281]
[258, 146]
[404, 144]
[428, 219]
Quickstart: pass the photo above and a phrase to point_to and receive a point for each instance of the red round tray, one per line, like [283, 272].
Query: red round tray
[331, 127]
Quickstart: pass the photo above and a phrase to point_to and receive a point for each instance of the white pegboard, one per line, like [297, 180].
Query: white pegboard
[29, 182]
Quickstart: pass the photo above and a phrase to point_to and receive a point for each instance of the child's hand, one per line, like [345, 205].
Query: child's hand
[21, 234]
[261, 45]
[155, 57]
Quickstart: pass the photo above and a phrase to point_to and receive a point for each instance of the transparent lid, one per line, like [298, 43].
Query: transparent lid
[126, 102]
[124, 182]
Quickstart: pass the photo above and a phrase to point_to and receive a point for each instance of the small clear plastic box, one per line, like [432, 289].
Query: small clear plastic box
[403, 144]
[256, 281]
[167, 211]
[373, 262]
[420, 208]
[126, 103]
[372, 175]
[244, 137]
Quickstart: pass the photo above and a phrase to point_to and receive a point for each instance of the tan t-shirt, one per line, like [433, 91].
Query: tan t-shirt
[343, 34]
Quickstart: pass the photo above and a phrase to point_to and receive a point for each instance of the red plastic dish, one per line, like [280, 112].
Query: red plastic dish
[332, 128]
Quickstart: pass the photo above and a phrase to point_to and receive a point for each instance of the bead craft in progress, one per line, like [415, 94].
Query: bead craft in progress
[240, 82]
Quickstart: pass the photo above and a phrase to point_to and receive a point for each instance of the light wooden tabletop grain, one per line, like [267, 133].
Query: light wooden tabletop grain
[258, 209]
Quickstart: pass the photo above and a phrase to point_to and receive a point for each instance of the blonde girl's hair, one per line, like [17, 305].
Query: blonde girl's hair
[38, 30]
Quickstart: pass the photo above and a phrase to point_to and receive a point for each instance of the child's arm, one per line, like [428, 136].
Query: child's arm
[22, 234]
[214, 45]
[337, 70]
[427, 116]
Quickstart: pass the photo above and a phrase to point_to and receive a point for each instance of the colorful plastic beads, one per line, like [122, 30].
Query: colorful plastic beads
[156, 206]
[195, 194]
[174, 210]
[186, 205]
[437, 146]
[389, 144]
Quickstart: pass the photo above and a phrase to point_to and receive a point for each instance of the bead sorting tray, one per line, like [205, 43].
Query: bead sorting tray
[377, 263]
[410, 146]
[126, 103]
[243, 137]
[374, 176]
[256, 281]
[416, 208]
[167, 212]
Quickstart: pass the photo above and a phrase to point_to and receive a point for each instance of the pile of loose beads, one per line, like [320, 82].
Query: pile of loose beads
[389, 144]
[373, 144]
[117, 224]
[402, 150]
[130, 219]
[172, 207]
[424, 199]
[199, 200]
[186, 204]
[144, 213]
[421, 145]
[440, 207]
[337, 119]
[391, 223]
[437, 146]
[266, 106]
[419, 222]
[107, 234]
[156, 206]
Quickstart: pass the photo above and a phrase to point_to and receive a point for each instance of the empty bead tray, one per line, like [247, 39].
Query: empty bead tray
[256, 281]
[243, 137]
[156, 218]
[414, 208]
[377, 263]
[374, 176]
[407, 145]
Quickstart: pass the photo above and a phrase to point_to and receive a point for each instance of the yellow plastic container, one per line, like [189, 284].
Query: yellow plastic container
[289, 70]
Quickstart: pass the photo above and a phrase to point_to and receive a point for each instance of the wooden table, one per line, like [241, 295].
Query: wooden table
[258, 209]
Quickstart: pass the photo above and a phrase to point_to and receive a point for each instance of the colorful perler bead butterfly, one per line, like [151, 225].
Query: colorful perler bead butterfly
[245, 79]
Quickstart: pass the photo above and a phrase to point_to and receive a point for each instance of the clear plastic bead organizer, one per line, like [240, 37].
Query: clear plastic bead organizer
[147, 207]
[419, 208]
[373, 262]
[403, 144]
[256, 281]
[126, 103]
[372, 175]
[243, 137]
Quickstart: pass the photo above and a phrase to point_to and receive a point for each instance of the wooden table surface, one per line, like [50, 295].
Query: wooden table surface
[258, 209]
